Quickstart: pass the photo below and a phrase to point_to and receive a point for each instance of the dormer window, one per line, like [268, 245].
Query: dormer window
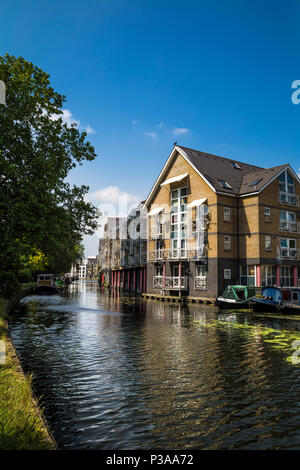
[225, 184]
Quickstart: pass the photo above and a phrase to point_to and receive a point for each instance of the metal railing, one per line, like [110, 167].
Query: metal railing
[289, 226]
[289, 253]
[176, 253]
[170, 282]
[200, 283]
[289, 198]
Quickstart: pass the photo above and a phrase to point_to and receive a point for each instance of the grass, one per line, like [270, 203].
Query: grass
[21, 424]
[26, 285]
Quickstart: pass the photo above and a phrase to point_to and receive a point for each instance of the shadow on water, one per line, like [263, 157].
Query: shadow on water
[117, 372]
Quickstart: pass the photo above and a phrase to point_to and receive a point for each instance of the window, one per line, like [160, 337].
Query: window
[227, 273]
[225, 184]
[159, 224]
[288, 248]
[200, 279]
[158, 271]
[248, 275]
[179, 222]
[226, 214]
[267, 213]
[227, 242]
[258, 180]
[236, 166]
[287, 188]
[268, 276]
[286, 276]
[268, 243]
[288, 221]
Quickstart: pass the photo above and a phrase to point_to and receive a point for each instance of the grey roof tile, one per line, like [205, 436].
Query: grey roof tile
[215, 169]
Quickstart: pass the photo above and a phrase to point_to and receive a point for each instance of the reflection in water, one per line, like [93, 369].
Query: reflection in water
[122, 373]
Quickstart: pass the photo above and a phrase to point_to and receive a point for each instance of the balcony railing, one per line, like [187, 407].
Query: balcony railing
[289, 253]
[289, 198]
[170, 282]
[176, 253]
[289, 226]
[200, 283]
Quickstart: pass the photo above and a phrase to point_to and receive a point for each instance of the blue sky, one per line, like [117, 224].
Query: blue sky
[142, 74]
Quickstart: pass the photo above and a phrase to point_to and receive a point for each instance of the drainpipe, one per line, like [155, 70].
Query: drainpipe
[295, 276]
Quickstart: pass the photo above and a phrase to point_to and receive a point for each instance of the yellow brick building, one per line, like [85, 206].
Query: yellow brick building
[213, 221]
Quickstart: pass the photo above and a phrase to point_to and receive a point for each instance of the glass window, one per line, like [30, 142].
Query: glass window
[200, 270]
[227, 242]
[226, 214]
[268, 243]
[158, 271]
[267, 212]
[227, 273]
[256, 182]
[225, 184]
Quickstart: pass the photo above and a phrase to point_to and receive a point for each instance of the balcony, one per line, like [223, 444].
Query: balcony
[291, 199]
[176, 254]
[200, 283]
[289, 226]
[170, 283]
[289, 253]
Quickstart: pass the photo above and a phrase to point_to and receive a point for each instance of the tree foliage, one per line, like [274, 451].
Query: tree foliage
[39, 210]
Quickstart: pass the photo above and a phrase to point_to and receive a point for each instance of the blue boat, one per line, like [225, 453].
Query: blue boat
[270, 300]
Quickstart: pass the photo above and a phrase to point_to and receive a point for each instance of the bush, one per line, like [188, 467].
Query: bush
[9, 284]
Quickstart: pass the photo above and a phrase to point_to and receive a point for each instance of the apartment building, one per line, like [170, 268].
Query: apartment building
[123, 252]
[79, 269]
[213, 221]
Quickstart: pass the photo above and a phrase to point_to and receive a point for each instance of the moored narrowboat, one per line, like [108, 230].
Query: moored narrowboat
[291, 301]
[269, 301]
[236, 296]
[46, 284]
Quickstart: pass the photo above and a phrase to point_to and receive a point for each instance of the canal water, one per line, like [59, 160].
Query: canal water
[115, 372]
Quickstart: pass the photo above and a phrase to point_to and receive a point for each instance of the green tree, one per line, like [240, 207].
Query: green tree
[39, 210]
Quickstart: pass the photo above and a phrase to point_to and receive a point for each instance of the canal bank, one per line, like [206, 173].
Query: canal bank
[22, 423]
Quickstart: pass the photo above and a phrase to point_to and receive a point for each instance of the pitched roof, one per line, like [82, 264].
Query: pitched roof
[215, 170]
[240, 176]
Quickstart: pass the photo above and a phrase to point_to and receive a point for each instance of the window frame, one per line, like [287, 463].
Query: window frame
[227, 243]
[227, 217]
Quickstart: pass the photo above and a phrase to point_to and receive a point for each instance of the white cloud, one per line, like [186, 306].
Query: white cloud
[68, 119]
[89, 130]
[160, 125]
[112, 202]
[180, 130]
[112, 195]
[153, 135]
[134, 122]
